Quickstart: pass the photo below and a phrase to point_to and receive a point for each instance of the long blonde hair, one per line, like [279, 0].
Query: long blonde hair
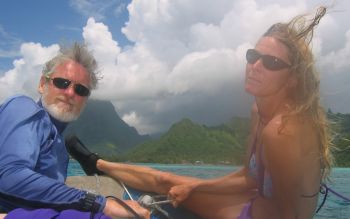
[297, 35]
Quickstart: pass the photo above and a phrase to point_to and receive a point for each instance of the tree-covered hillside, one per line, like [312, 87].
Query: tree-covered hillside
[103, 131]
[341, 127]
[186, 142]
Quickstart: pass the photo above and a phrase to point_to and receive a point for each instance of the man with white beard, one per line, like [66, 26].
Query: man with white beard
[33, 156]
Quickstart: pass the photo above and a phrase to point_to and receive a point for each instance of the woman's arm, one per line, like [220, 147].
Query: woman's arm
[238, 181]
[282, 158]
[235, 182]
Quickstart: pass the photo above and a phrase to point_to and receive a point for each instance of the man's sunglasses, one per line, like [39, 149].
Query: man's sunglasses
[270, 62]
[63, 83]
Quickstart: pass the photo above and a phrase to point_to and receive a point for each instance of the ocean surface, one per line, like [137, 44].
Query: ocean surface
[334, 207]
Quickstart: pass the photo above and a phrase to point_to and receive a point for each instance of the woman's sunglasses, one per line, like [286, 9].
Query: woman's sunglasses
[63, 83]
[270, 62]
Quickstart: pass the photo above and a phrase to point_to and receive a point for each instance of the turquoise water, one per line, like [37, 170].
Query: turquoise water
[334, 207]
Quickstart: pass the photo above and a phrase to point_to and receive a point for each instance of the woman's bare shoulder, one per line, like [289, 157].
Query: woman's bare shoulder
[285, 127]
[290, 139]
[280, 136]
[282, 149]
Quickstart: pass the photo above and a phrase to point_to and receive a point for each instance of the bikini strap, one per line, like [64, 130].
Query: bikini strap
[259, 163]
[261, 172]
[253, 150]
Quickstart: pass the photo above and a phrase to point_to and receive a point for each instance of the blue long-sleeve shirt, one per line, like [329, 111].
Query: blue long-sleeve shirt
[34, 160]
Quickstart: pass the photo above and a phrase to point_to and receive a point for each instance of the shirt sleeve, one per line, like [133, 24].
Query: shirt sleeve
[23, 130]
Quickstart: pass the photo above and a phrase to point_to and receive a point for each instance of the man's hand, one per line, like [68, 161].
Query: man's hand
[113, 209]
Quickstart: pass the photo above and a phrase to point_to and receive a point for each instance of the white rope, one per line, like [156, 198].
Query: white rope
[126, 190]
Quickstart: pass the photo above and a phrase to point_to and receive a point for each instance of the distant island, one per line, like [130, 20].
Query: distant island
[185, 142]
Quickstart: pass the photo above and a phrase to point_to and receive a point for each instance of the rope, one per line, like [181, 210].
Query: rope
[324, 189]
[337, 194]
[126, 190]
[162, 211]
[98, 183]
[149, 201]
[325, 192]
[127, 207]
[121, 202]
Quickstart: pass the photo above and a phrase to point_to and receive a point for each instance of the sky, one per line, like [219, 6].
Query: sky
[164, 60]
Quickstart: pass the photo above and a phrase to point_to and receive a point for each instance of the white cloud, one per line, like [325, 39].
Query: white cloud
[205, 72]
[25, 75]
[335, 81]
[100, 40]
[337, 61]
[134, 120]
[188, 61]
[134, 73]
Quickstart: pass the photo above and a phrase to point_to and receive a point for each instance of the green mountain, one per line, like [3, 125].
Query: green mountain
[186, 142]
[103, 131]
[341, 128]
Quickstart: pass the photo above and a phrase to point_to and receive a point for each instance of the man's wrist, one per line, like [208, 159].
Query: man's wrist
[89, 203]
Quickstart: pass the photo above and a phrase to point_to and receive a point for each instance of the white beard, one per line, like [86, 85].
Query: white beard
[56, 112]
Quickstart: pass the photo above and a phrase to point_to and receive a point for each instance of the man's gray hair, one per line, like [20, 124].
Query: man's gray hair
[78, 53]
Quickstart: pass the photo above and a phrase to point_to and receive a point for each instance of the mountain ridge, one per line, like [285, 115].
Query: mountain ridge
[100, 127]
[103, 131]
[187, 142]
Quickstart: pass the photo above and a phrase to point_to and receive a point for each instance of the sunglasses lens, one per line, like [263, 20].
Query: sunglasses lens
[273, 63]
[61, 83]
[81, 90]
[252, 56]
[270, 62]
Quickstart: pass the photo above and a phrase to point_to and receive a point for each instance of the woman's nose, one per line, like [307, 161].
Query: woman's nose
[258, 64]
